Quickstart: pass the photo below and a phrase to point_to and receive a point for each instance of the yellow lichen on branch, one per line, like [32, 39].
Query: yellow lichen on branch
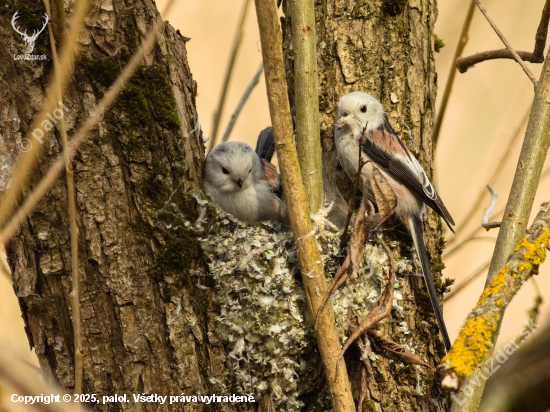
[476, 337]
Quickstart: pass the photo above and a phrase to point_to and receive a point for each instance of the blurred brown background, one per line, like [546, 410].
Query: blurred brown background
[487, 105]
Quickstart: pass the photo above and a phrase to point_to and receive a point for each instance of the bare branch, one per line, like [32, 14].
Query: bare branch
[306, 100]
[499, 53]
[464, 243]
[485, 219]
[232, 58]
[496, 174]
[469, 279]
[462, 40]
[542, 32]
[243, 100]
[464, 63]
[475, 340]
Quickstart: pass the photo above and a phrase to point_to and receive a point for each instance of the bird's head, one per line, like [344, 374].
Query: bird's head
[232, 166]
[358, 109]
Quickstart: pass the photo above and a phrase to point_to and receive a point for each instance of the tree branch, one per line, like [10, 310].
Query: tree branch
[485, 219]
[308, 138]
[462, 40]
[243, 100]
[506, 42]
[229, 71]
[496, 174]
[463, 63]
[476, 338]
[308, 252]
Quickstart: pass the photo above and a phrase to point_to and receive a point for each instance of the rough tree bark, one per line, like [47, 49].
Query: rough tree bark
[134, 256]
[176, 296]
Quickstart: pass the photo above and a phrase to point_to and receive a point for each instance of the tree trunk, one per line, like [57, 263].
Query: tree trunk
[177, 297]
[144, 323]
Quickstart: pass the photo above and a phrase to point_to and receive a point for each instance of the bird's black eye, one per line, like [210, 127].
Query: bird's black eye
[225, 171]
[364, 108]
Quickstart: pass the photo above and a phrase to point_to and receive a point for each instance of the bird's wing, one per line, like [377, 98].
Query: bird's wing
[265, 147]
[407, 171]
[271, 176]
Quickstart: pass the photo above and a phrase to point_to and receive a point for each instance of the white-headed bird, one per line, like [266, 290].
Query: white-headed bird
[358, 112]
[241, 183]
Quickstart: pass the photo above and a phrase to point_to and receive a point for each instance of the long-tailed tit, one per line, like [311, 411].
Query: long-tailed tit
[241, 183]
[358, 112]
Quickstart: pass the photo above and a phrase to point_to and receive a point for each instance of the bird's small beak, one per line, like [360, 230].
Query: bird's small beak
[240, 182]
[343, 121]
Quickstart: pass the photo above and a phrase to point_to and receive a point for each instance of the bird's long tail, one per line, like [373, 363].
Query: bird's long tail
[416, 232]
[265, 146]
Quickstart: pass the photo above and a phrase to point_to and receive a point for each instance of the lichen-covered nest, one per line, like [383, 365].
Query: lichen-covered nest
[264, 319]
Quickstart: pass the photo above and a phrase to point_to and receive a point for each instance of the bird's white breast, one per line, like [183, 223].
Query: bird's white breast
[253, 203]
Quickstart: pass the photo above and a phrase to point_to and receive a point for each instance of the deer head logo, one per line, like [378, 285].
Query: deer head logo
[29, 40]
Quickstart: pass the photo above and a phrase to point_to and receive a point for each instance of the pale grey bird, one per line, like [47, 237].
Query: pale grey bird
[241, 183]
[400, 168]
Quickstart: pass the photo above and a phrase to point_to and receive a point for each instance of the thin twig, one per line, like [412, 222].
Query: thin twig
[232, 58]
[60, 22]
[406, 355]
[506, 43]
[485, 219]
[463, 63]
[534, 312]
[496, 174]
[455, 249]
[243, 100]
[108, 99]
[469, 279]
[4, 267]
[462, 40]
[69, 173]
